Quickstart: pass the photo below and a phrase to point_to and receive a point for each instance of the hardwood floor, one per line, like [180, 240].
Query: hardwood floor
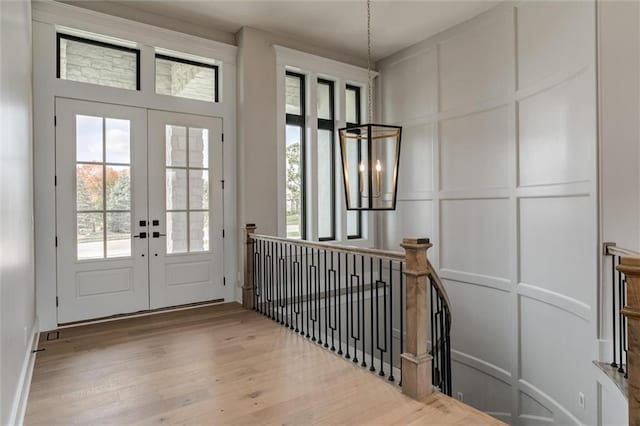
[214, 365]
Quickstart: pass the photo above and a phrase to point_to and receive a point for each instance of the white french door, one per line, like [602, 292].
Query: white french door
[138, 216]
[185, 203]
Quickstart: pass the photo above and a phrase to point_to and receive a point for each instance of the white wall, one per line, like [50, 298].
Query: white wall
[17, 300]
[498, 167]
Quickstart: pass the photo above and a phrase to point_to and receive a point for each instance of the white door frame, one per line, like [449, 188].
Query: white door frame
[47, 17]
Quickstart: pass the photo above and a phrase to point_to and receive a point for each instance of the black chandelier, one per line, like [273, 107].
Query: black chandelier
[370, 156]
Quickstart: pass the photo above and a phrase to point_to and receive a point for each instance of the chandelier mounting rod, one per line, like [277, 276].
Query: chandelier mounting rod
[370, 80]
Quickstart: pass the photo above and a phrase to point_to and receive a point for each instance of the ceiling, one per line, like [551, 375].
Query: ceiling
[330, 24]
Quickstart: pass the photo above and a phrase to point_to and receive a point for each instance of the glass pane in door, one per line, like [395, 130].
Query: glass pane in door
[103, 187]
[187, 189]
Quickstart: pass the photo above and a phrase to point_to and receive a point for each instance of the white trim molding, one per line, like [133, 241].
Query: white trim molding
[19, 406]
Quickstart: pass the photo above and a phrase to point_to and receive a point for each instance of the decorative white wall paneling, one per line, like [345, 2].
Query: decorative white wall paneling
[498, 167]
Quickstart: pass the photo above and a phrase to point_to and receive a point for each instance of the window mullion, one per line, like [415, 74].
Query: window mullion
[340, 118]
[311, 160]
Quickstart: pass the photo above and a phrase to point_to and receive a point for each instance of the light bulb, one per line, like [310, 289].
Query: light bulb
[378, 166]
[361, 167]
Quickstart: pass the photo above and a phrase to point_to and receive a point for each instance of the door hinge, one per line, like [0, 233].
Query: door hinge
[57, 301]
[223, 233]
[55, 120]
[222, 181]
[55, 181]
[223, 137]
[56, 241]
[224, 281]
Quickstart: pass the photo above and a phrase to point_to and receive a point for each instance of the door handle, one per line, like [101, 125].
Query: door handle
[156, 234]
[142, 235]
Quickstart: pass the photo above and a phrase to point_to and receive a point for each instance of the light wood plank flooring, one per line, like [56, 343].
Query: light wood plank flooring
[214, 365]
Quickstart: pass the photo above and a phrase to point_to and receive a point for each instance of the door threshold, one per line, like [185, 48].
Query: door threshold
[141, 313]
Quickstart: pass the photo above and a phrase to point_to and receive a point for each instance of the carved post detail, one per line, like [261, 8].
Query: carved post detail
[416, 361]
[247, 290]
[630, 266]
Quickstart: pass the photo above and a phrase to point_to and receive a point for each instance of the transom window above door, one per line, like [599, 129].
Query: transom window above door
[106, 61]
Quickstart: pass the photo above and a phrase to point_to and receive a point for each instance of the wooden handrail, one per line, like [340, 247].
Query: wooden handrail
[440, 288]
[620, 251]
[379, 254]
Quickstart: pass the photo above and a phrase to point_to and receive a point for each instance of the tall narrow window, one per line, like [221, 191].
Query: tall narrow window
[326, 161]
[353, 118]
[295, 154]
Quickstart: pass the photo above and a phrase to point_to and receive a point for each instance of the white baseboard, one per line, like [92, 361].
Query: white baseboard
[19, 405]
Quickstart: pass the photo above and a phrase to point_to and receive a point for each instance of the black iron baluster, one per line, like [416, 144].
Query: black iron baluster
[317, 298]
[624, 328]
[441, 345]
[449, 366]
[314, 294]
[391, 378]
[318, 312]
[270, 279]
[372, 366]
[339, 305]
[288, 288]
[335, 304]
[434, 352]
[355, 335]
[274, 282]
[255, 274]
[277, 283]
[296, 287]
[349, 294]
[263, 278]
[301, 292]
[439, 340]
[267, 261]
[266, 278]
[327, 302]
[620, 319]
[401, 319]
[384, 317]
[283, 285]
[362, 319]
[613, 308]
[308, 282]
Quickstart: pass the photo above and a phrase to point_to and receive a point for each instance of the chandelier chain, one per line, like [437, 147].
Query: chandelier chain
[370, 81]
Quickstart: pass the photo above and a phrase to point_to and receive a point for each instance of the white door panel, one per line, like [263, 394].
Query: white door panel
[101, 196]
[185, 209]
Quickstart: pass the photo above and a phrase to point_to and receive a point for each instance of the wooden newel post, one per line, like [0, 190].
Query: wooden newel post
[630, 266]
[247, 290]
[416, 361]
